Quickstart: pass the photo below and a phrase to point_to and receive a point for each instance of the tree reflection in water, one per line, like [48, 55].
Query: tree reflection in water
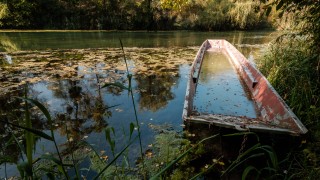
[155, 90]
[82, 111]
[69, 87]
[85, 112]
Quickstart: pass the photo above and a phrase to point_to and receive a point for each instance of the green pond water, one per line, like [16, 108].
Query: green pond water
[65, 71]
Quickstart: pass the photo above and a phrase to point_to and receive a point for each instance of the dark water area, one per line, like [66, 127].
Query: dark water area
[65, 72]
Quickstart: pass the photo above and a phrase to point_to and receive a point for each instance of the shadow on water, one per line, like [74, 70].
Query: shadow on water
[68, 82]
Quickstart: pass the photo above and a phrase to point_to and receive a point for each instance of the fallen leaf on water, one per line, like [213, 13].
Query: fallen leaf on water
[149, 153]
[104, 157]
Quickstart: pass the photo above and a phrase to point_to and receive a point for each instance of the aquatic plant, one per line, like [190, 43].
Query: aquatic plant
[170, 164]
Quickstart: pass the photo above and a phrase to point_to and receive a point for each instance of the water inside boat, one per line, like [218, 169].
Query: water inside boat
[219, 90]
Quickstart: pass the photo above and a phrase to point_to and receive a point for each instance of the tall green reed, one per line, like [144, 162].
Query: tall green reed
[291, 64]
[133, 102]
[293, 69]
[129, 88]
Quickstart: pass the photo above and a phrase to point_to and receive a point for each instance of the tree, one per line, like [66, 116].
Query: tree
[307, 13]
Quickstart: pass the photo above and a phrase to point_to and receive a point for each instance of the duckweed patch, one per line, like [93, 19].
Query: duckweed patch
[75, 64]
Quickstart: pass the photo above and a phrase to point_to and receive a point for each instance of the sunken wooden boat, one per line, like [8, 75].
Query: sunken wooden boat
[225, 89]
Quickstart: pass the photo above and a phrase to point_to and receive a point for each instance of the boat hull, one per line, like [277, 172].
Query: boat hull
[273, 114]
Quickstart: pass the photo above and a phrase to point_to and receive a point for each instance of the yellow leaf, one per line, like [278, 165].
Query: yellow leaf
[104, 157]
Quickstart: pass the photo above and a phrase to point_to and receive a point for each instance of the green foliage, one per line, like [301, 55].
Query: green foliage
[306, 16]
[245, 15]
[291, 66]
[268, 165]
[4, 12]
[130, 14]
[171, 156]
[174, 4]
[166, 147]
[215, 15]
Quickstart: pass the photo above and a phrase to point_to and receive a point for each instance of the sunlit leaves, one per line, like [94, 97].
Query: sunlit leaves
[279, 5]
[3, 12]
[244, 14]
[174, 4]
[268, 10]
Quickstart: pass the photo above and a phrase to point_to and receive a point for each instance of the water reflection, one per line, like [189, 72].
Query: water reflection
[155, 90]
[69, 83]
[7, 44]
[21, 41]
[78, 105]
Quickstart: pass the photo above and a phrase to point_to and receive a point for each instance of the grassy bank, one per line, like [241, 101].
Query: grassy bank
[292, 67]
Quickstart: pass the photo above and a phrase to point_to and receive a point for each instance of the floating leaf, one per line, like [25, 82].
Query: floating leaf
[105, 158]
[149, 154]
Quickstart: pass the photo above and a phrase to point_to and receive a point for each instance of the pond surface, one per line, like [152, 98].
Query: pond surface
[43, 40]
[65, 71]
